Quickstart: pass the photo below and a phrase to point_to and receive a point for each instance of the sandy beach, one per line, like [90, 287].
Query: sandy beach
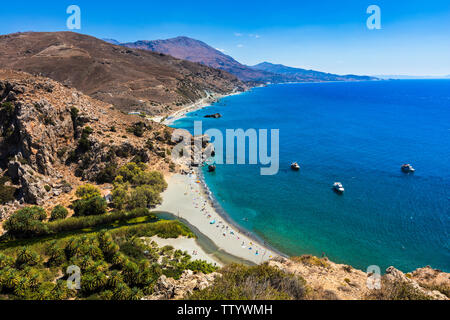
[200, 104]
[186, 198]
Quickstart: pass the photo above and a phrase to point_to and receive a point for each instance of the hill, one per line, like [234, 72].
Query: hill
[298, 74]
[53, 137]
[198, 51]
[130, 79]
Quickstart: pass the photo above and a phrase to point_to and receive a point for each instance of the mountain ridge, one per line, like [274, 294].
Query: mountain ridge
[299, 74]
[186, 48]
[130, 79]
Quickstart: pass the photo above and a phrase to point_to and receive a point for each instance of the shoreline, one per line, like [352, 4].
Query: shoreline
[222, 253]
[187, 198]
[221, 212]
[200, 104]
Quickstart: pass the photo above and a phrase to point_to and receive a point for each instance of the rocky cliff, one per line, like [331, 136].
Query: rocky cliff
[53, 137]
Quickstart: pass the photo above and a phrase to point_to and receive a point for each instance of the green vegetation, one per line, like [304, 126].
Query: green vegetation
[84, 144]
[115, 264]
[77, 223]
[87, 191]
[90, 203]
[6, 192]
[312, 260]
[59, 213]
[138, 129]
[107, 174]
[93, 206]
[260, 282]
[74, 115]
[7, 109]
[27, 222]
[135, 187]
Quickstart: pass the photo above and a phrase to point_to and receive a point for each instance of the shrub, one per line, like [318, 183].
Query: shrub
[138, 129]
[153, 178]
[84, 144]
[107, 174]
[5, 261]
[58, 213]
[130, 171]
[87, 191]
[260, 282]
[144, 197]
[27, 222]
[120, 196]
[27, 257]
[47, 188]
[75, 223]
[201, 266]
[7, 109]
[61, 152]
[92, 206]
[312, 261]
[6, 192]
[396, 290]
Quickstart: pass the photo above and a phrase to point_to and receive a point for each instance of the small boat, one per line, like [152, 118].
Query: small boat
[337, 186]
[211, 168]
[407, 168]
[295, 166]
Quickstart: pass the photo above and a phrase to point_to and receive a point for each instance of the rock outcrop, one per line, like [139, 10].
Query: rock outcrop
[329, 280]
[214, 116]
[170, 289]
[395, 275]
[52, 138]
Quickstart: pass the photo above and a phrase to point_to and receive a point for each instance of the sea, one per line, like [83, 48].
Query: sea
[356, 133]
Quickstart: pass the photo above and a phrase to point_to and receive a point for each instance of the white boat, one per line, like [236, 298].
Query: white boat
[295, 166]
[407, 168]
[338, 187]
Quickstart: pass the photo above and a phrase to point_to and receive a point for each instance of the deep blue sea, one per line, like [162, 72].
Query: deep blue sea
[358, 133]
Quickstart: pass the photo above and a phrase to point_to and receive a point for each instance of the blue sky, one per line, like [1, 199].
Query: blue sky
[324, 35]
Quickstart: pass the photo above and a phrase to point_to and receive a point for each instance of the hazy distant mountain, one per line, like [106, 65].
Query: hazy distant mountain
[297, 74]
[198, 51]
[406, 77]
[112, 41]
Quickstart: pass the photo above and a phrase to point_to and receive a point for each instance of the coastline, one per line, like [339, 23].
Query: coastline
[202, 103]
[187, 199]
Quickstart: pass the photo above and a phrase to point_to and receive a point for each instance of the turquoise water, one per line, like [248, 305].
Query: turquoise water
[356, 133]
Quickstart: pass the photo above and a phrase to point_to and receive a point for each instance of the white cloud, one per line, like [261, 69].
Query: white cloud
[237, 34]
[240, 45]
[256, 36]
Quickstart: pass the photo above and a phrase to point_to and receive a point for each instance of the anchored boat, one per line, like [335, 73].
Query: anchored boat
[295, 166]
[407, 168]
[338, 187]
